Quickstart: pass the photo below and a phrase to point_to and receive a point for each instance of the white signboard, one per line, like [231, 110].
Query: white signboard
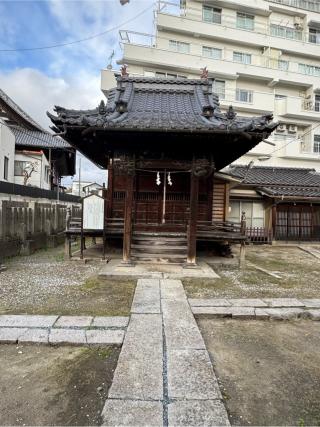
[93, 212]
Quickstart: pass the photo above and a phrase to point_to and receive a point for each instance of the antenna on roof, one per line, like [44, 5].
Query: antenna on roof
[109, 66]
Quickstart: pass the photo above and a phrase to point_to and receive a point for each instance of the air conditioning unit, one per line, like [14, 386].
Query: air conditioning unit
[281, 128]
[293, 129]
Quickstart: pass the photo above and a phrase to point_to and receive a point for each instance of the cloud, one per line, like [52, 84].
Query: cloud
[67, 76]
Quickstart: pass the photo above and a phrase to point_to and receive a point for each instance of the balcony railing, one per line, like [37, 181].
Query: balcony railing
[274, 29]
[311, 5]
[228, 55]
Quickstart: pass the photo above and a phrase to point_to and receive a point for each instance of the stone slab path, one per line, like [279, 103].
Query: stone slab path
[254, 308]
[164, 374]
[77, 330]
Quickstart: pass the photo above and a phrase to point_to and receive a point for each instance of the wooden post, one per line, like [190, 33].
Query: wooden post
[242, 255]
[127, 232]
[192, 229]
[109, 191]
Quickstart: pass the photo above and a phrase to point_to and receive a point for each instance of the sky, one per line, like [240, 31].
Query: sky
[68, 76]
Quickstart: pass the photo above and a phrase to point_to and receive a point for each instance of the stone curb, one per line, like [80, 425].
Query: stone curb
[255, 302]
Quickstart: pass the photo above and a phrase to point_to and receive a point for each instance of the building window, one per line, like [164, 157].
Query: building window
[170, 75]
[244, 58]
[316, 144]
[254, 212]
[310, 70]
[283, 65]
[6, 168]
[278, 96]
[178, 46]
[219, 88]
[314, 35]
[244, 95]
[211, 14]
[19, 167]
[285, 32]
[211, 52]
[245, 21]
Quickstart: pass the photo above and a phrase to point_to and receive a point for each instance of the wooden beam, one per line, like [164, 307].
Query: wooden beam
[192, 227]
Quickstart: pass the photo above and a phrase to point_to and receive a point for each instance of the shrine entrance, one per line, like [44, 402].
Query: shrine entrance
[162, 200]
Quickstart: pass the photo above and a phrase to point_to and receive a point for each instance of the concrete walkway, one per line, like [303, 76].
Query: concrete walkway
[164, 374]
[255, 308]
[77, 330]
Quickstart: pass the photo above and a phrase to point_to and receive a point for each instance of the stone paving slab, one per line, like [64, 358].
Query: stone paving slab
[212, 311]
[140, 366]
[314, 314]
[147, 297]
[35, 335]
[243, 312]
[247, 302]
[132, 413]
[11, 335]
[283, 302]
[172, 289]
[209, 302]
[311, 303]
[110, 322]
[181, 329]
[73, 322]
[27, 321]
[67, 336]
[97, 336]
[281, 313]
[191, 376]
[200, 413]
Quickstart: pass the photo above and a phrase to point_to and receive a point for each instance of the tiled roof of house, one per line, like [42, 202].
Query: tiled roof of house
[279, 182]
[160, 104]
[8, 104]
[37, 139]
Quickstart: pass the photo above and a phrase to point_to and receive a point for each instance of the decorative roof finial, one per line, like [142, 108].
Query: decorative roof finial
[102, 107]
[204, 73]
[124, 72]
[231, 114]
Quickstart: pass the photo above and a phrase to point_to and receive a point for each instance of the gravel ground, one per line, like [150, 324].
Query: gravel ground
[44, 283]
[299, 276]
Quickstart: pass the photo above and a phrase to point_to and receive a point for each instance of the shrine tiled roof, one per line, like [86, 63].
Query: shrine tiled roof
[278, 181]
[159, 104]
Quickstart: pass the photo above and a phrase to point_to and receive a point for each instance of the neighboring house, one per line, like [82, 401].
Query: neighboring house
[29, 155]
[7, 147]
[279, 203]
[84, 188]
[263, 54]
[32, 168]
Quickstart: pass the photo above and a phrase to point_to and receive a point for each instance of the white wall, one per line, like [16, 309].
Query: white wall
[7, 143]
[38, 177]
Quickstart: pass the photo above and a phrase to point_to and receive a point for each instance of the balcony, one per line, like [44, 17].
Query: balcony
[310, 5]
[297, 108]
[262, 67]
[274, 35]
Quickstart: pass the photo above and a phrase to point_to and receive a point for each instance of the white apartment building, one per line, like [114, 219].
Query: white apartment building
[263, 54]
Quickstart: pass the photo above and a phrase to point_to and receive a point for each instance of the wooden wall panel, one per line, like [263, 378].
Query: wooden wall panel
[219, 201]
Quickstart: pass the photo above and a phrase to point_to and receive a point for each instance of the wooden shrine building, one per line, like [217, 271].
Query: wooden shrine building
[163, 142]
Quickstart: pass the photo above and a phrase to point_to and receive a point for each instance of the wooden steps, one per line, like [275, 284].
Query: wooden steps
[161, 247]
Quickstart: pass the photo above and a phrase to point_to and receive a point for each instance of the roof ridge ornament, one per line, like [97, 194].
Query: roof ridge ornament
[204, 73]
[123, 70]
[102, 108]
[231, 114]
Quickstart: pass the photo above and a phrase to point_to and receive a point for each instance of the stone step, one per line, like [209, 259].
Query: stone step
[159, 248]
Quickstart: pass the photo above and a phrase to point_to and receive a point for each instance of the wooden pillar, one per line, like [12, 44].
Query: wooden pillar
[127, 232]
[274, 221]
[109, 192]
[242, 256]
[192, 226]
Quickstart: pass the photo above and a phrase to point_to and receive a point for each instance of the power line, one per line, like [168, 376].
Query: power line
[80, 40]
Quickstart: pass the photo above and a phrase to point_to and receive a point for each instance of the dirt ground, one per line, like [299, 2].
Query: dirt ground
[44, 283]
[299, 276]
[42, 385]
[269, 371]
